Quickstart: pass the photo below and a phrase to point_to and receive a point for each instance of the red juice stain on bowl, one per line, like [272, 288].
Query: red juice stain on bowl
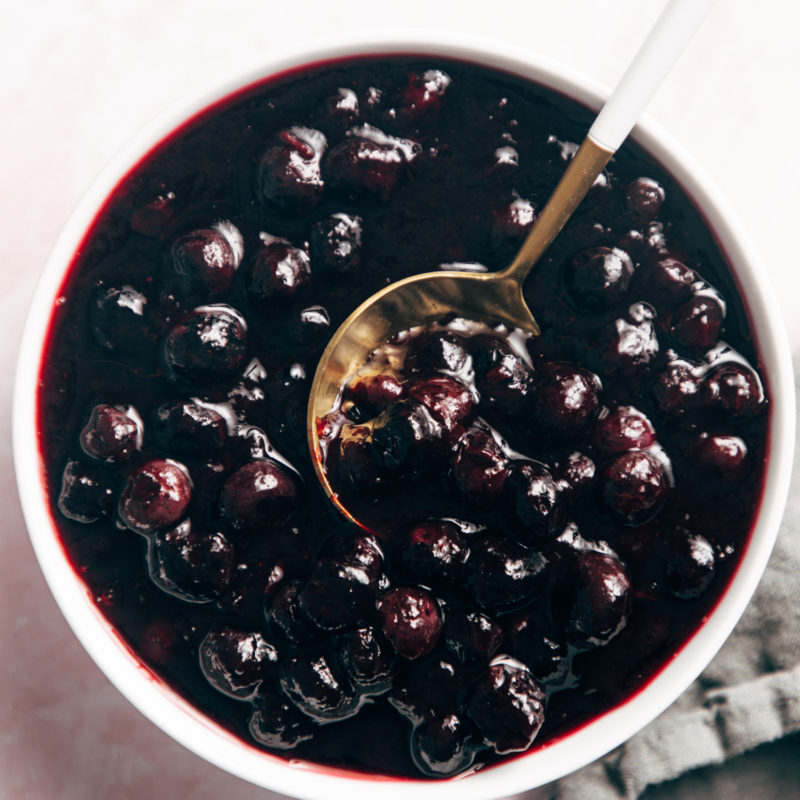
[553, 517]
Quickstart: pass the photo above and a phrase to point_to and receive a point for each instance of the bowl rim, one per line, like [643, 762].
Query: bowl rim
[189, 726]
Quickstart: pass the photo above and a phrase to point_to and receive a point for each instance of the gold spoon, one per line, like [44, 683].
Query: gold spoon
[426, 298]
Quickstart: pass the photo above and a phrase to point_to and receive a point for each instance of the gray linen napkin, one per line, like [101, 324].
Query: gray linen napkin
[749, 695]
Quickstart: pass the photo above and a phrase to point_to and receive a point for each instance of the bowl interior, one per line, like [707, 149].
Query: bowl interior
[178, 718]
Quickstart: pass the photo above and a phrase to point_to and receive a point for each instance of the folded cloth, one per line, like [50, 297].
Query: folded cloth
[749, 695]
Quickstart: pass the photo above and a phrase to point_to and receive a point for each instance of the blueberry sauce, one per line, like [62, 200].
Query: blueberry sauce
[546, 519]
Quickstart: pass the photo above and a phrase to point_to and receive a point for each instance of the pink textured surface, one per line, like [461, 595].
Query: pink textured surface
[80, 78]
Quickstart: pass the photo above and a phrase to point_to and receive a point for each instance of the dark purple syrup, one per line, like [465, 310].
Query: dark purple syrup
[624, 450]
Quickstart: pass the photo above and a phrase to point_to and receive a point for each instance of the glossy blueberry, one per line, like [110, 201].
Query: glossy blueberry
[630, 345]
[696, 324]
[112, 433]
[690, 566]
[643, 198]
[368, 659]
[426, 689]
[357, 460]
[503, 574]
[622, 428]
[598, 278]
[438, 351]
[86, 493]
[408, 437]
[286, 617]
[723, 456]
[236, 662]
[319, 687]
[422, 97]
[335, 244]
[448, 399]
[633, 487]
[411, 620]
[186, 428]
[208, 344]
[374, 391]
[203, 264]
[507, 706]
[733, 390]
[510, 224]
[575, 473]
[443, 746]
[262, 494]
[156, 495]
[433, 550]
[190, 563]
[480, 468]
[565, 399]
[670, 281]
[535, 508]
[277, 273]
[592, 599]
[502, 376]
[118, 317]
[471, 637]
[527, 639]
[342, 589]
[289, 175]
[677, 391]
[276, 723]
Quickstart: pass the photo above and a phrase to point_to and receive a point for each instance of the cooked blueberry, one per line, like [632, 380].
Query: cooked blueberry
[502, 376]
[335, 243]
[289, 175]
[576, 473]
[112, 433]
[341, 591]
[190, 563]
[156, 495]
[565, 399]
[677, 390]
[443, 746]
[287, 618]
[670, 281]
[276, 723]
[320, 688]
[357, 460]
[472, 637]
[438, 351]
[448, 399]
[426, 689]
[592, 600]
[422, 97]
[630, 345]
[208, 344]
[599, 277]
[411, 620]
[510, 224]
[643, 198]
[204, 263]
[86, 493]
[507, 705]
[118, 318]
[503, 574]
[431, 550]
[696, 324]
[261, 494]
[236, 662]
[343, 106]
[535, 509]
[186, 428]
[622, 428]
[408, 437]
[634, 487]
[480, 468]
[369, 164]
[368, 660]
[723, 456]
[528, 640]
[278, 272]
[311, 326]
[690, 566]
[734, 390]
[374, 391]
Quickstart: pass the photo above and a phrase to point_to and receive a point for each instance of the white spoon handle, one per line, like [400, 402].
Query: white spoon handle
[671, 33]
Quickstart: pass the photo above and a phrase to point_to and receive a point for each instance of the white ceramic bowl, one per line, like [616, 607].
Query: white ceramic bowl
[187, 725]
